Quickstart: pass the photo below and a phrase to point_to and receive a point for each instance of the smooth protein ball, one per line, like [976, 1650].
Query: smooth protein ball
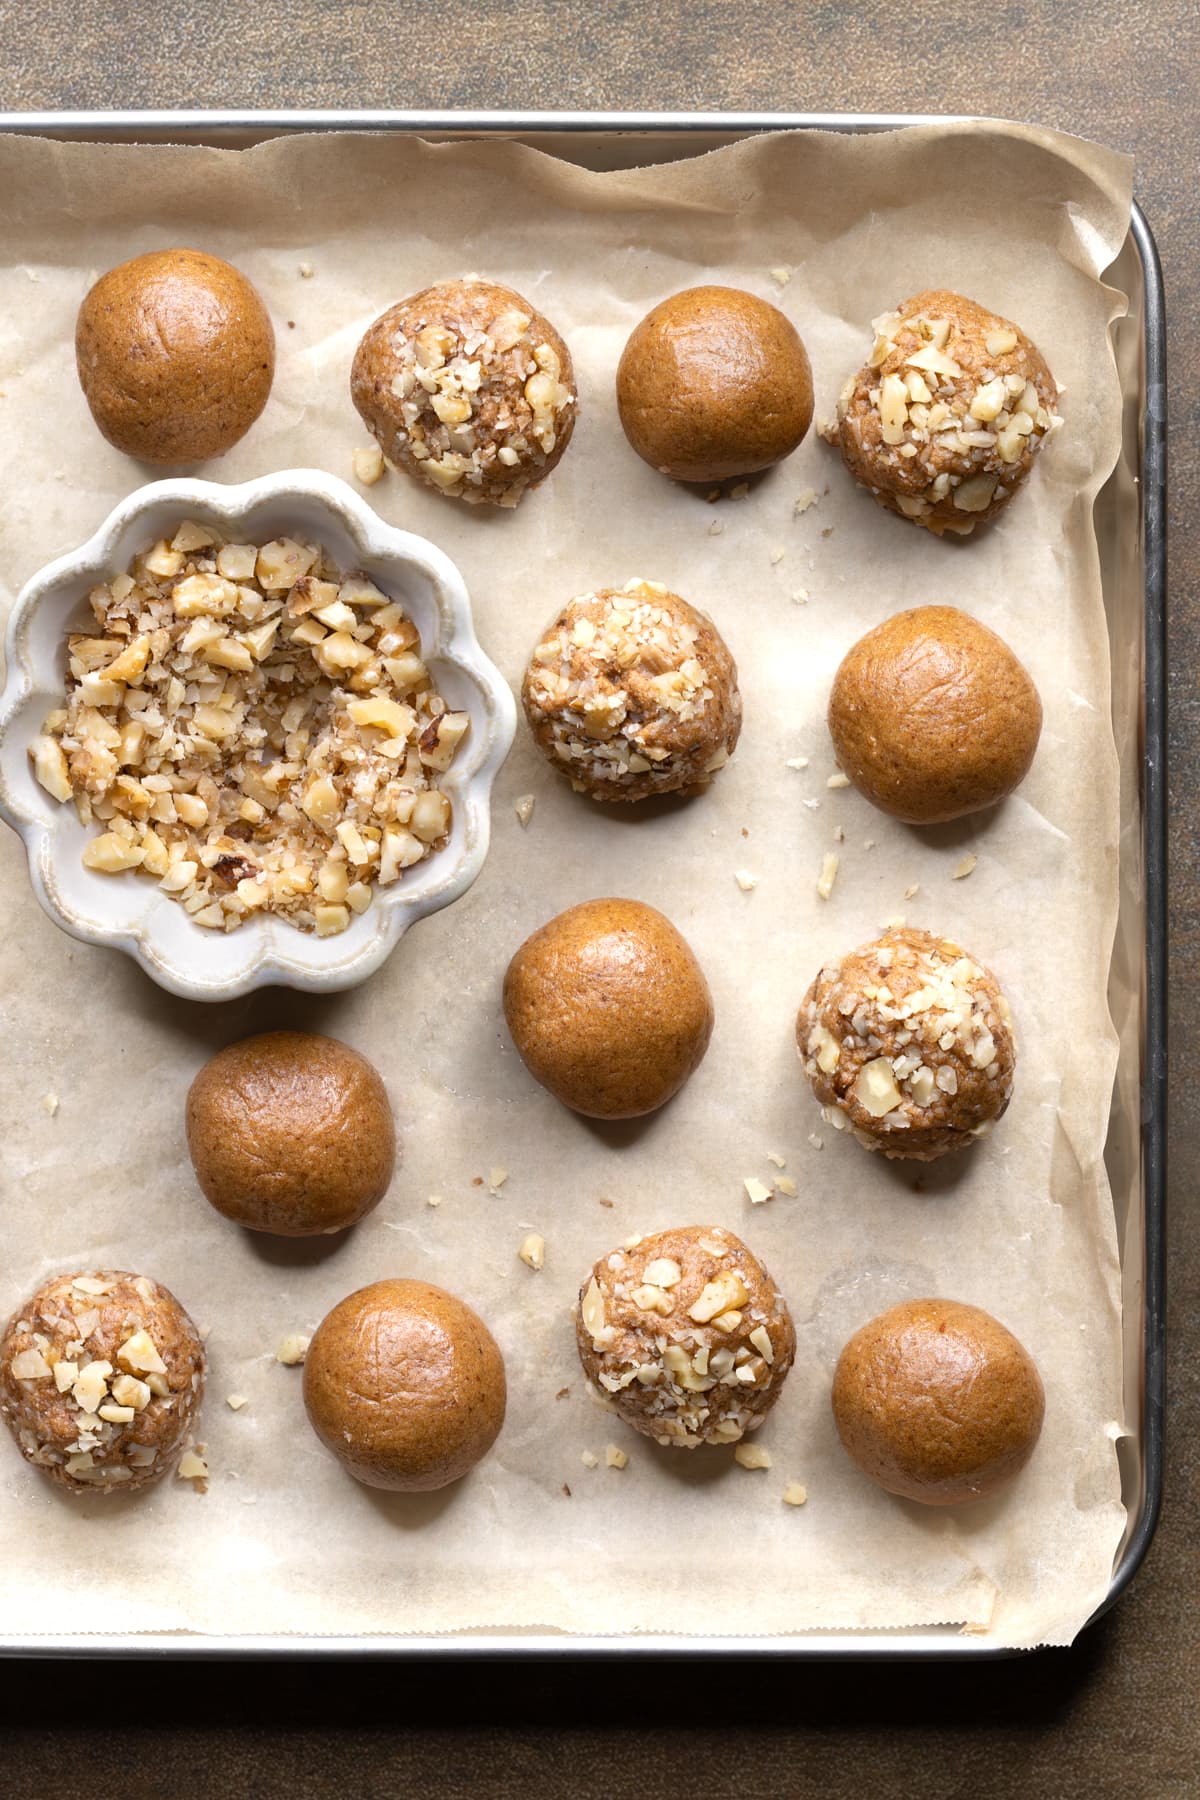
[176, 355]
[609, 1008]
[631, 693]
[908, 1042]
[101, 1377]
[943, 421]
[404, 1384]
[714, 382]
[467, 387]
[932, 716]
[687, 1336]
[938, 1402]
[291, 1133]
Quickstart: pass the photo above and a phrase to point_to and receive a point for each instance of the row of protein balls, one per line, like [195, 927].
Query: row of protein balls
[684, 1334]
[470, 390]
[291, 1133]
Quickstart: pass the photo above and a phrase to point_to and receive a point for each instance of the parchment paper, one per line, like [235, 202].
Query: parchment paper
[283, 1542]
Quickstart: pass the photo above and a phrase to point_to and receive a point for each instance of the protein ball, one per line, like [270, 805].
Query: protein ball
[632, 692]
[404, 1384]
[932, 716]
[687, 1336]
[938, 1402]
[608, 1008]
[101, 1376]
[467, 388]
[291, 1133]
[943, 421]
[908, 1041]
[714, 382]
[176, 356]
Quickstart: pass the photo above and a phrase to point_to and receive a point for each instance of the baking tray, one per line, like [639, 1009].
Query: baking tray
[1132, 535]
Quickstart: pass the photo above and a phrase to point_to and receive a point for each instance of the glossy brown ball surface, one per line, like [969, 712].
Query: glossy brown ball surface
[609, 1008]
[404, 1383]
[938, 1402]
[176, 355]
[714, 382]
[291, 1133]
[932, 716]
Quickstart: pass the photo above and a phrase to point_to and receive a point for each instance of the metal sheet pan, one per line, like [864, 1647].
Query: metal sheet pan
[1138, 1172]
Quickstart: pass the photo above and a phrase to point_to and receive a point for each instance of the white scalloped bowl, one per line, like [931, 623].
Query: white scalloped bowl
[127, 911]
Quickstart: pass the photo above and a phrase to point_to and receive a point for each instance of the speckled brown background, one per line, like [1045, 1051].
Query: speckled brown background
[1117, 1714]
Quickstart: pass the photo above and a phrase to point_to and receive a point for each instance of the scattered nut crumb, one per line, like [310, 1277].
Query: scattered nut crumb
[808, 497]
[477, 1181]
[797, 762]
[756, 1192]
[800, 597]
[812, 805]
[590, 1460]
[192, 1467]
[781, 276]
[780, 1162]
[367, 464]
[50, 1104]
[794, 1494]
[838, 780]
[868, 843]
[496, 1180]
[563, 1394]
[777, 556]
[964, 868]
[306, 271]
[815, 1140]
[604, 1202]
[910, 891]
[787, 1186]
[716, 528]
[434, 1200]
[614, 1458]
[235, 1402]
[292, 1349]
[745, 880]
[752, 1456]
[828, 875]
[739, 490]
[533, 1251]
[839, 836]
[523, 807]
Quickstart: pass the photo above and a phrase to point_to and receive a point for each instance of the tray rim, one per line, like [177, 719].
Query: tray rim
[932, 1643]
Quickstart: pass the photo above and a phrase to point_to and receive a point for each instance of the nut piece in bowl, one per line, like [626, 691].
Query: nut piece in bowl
[631, 692]
[176, 355]
[686, 1335]
[319, 810]
[908, 1041]
[101, 1376]
[943, 421]
[291, 1133]
[467, 388]
[253, 730]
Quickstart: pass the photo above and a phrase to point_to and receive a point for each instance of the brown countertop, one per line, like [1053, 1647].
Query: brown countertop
[1117, 1713]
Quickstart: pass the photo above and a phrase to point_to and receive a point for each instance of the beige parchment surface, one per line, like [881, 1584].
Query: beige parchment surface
[1021, 219]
